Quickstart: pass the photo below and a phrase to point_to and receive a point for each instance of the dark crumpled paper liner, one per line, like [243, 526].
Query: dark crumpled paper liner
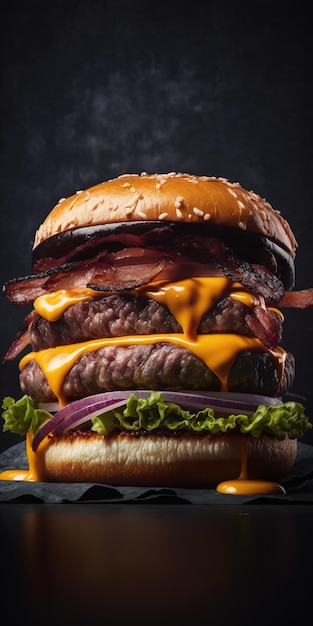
[298, 485]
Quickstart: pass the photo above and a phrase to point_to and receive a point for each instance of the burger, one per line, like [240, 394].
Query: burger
[155, 336]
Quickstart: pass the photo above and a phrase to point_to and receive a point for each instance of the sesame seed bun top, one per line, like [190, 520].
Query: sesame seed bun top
[168, 197]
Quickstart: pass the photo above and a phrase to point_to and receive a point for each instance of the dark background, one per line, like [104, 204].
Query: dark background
[92, 89]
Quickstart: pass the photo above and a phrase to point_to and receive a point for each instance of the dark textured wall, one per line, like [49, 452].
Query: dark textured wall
[92, 89]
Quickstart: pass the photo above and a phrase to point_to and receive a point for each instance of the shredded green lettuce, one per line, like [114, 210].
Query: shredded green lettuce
[153, 413]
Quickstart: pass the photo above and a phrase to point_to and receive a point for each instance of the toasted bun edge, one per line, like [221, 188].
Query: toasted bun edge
[186, 461]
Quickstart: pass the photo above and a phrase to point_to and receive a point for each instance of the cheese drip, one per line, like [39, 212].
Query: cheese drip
[188, 300]
[52, 305]
[36, 463]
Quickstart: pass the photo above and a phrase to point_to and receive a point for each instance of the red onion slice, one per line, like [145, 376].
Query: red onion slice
[97, 407]
[107, 398]
[83, 415]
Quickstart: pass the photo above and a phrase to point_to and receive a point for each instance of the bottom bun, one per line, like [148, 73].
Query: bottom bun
[160, 460]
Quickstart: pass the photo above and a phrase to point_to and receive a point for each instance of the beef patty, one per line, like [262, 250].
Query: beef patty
[121, 314]
[156, 366]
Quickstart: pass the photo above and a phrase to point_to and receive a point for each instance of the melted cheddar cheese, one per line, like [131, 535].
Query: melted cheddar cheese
[188, 300]
[36, 463]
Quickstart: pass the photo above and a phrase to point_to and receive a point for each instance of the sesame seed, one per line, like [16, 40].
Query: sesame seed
[179, 213]
[142, 214]
[197, 211]
[242, 225]
[179, 200]
[133, 189]
[232, 192]
[162, 216]
[207, 216]
[61, 200]
[255, 196]
[241, 204]
[126, 184]
[130, 206]
[263, 214]
[160, 182]
[79, 191]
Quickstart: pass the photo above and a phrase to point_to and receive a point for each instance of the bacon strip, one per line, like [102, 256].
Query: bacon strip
[85, 249]
[265, 325]
[125, 269]
[25, 290]
[22, 338]
[130, 276]
[252, 276]
[297, 299]
[106, 272]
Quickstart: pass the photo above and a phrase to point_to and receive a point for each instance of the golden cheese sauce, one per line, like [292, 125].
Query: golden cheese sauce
[52, 305]
[188, 300]
[192, 297]
[36, 463]
[245, 486]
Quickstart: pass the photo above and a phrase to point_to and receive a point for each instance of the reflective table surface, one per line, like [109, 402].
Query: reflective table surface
[157, 563]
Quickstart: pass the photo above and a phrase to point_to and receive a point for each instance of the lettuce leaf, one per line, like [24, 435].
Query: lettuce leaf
[153, 413]
[23, 415]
